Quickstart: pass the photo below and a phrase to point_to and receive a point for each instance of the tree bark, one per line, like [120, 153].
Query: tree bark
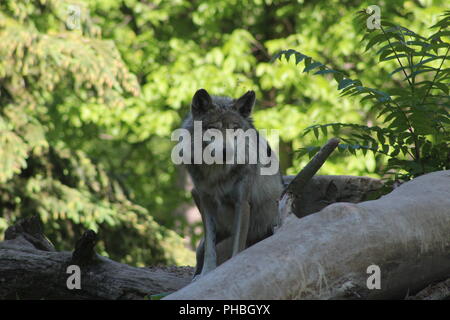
[323, 256]
[30, 268]
[295, 187]
[326, 255]
[322, 191]
[438, 291]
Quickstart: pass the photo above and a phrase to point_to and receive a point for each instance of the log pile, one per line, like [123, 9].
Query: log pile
[30, 268]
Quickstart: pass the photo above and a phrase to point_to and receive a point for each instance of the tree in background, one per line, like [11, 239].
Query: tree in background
[118, 111]
[43, 68]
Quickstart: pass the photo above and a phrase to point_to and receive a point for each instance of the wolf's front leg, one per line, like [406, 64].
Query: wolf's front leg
[200, 252]
[241, 226]
[200, 256]
[210, 259]
[207, 248]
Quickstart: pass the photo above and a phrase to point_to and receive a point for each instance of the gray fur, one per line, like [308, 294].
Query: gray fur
[235, 200]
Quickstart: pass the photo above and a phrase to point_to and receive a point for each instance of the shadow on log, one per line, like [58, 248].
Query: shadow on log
[321, 191]
[30, 268]
[326, 255]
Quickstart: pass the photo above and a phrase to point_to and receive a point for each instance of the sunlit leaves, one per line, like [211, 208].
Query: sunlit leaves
[412, 127]
[60, 89]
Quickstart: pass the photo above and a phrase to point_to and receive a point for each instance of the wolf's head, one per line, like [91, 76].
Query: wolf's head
[223, 112]
[219, 131]
[227, 132]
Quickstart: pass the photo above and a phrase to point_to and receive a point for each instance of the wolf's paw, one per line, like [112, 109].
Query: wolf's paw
[196, 277]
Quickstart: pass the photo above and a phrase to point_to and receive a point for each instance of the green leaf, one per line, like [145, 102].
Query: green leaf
[395, 152]
[316, 132]
[345, 83]
[299, 58]
[444, 87]
[338, 76]
[312, 66]
[380, 137]
[403, 68]
[379, 38]
[326, 71]
[445, 22]
[402, 55]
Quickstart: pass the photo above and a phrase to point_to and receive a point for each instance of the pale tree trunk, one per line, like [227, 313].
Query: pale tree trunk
[326, 255]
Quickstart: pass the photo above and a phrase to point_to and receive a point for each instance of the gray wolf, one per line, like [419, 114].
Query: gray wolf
[238, 204]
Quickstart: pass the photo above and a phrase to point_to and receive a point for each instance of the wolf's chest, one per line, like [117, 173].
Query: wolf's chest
[224, 214]
[223, 206]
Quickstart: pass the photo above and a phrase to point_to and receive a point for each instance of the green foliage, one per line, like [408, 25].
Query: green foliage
[176, 47]
[42, 67]
[414, 110]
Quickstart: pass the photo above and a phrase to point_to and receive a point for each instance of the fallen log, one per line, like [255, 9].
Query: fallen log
[322, 191]
[30, 268]
[437, 291]
[296, 186]
[327, 255]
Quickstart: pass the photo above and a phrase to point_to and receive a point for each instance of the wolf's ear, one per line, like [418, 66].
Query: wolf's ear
[245, 104]
[201, 102]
